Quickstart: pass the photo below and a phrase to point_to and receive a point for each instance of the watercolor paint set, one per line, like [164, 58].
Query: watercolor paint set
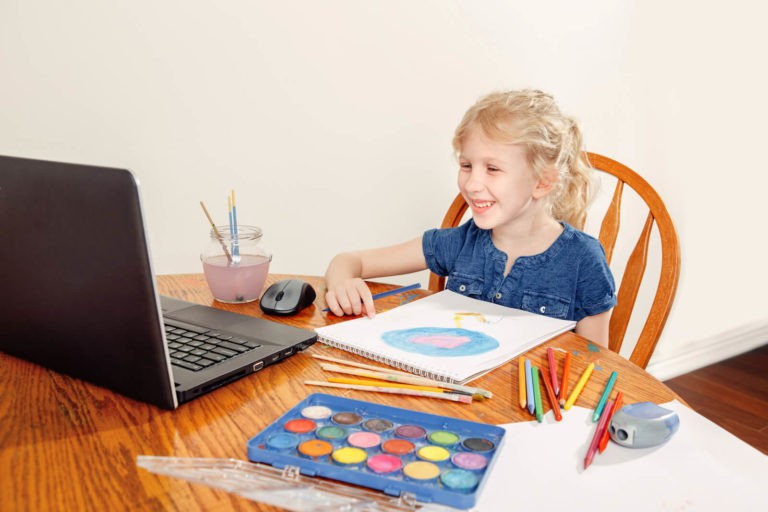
[433, 458]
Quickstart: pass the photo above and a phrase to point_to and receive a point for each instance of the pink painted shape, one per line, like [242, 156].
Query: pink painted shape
[441, 341]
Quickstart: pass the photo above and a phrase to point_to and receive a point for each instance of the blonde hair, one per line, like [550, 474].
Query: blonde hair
[552, 140]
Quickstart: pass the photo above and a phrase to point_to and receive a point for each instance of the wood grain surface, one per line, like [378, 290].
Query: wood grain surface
[68, 445]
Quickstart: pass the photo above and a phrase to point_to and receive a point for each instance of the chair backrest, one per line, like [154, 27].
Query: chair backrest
[636, 263]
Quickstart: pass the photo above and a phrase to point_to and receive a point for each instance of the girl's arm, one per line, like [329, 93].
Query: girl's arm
[595, 328]
[347, 292]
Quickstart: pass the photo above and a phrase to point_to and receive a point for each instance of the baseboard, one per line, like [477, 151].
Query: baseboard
[695, 355]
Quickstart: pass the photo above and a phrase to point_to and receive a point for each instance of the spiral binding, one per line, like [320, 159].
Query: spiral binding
[428, 371]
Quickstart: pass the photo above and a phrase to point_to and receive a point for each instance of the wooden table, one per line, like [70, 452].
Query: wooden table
[69, 445]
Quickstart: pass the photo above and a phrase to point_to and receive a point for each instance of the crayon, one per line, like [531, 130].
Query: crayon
[579, 386]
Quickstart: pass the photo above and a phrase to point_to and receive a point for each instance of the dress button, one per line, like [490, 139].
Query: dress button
[542, 309]
[462, 288]
[498, 295]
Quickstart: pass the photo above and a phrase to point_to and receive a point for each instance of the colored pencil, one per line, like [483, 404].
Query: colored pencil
[604, 396]
[579, 386]
[216, 232]
[477, 392]
[405, 379]
[530, 401]
[601, 426]
[551, 396]
[537, 394]
[454, 397]
[606, 434]
[521, 386]
[383, 384]
[402, 289]
[361, 365]
[553, 370]
[394, 291]
[564, 388]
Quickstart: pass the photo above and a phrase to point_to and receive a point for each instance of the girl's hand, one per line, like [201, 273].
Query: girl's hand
[350, 297]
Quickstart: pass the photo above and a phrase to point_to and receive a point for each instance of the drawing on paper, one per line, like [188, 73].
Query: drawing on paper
[457, 317]
[440, 341]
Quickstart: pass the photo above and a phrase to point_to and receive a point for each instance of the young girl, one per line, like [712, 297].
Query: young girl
[523, 177]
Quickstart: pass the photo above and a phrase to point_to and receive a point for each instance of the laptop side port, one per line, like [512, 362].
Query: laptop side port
[258, 366]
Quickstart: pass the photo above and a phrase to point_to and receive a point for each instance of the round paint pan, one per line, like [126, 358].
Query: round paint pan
[421, 471]
[300, 426]
[469, 461]
[346, 418]
[384, 464]
[282, 441]
[316, 412]
[349, 456]
[459, 480]
[477, 444]
[410, 432]
[443, 438]
[397, 447]
[364, 440]
[315, 449]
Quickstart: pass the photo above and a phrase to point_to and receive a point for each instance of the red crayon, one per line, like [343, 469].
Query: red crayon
[616, 406]
[553, 370]
[601, 426]
[551, 395]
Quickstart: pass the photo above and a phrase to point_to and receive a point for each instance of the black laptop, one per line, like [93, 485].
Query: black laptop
[78, 292]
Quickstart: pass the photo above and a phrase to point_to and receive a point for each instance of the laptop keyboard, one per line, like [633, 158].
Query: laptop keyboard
[196, 348]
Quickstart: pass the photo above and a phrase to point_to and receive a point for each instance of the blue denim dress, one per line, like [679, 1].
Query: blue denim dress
[570, 280]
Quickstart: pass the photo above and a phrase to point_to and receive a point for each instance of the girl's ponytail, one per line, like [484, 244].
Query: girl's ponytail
[575, 189]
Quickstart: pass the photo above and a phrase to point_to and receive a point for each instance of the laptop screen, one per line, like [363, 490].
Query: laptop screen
[77, 284]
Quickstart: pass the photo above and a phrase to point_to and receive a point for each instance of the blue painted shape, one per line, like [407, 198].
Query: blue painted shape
[440, 341]
[592, 347]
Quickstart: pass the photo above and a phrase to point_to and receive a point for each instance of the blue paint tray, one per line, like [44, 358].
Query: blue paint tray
[428, 457]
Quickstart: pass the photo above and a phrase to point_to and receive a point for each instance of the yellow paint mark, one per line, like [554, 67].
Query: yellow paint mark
[458, 316]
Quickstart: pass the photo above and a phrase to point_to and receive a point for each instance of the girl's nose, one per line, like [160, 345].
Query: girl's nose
[473, 181]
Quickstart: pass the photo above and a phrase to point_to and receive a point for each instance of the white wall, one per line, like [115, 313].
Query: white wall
[332, 120]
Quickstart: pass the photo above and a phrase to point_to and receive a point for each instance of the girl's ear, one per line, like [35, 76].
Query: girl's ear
[546, 183]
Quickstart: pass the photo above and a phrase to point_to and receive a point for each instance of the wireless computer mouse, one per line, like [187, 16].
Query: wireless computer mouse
[287, 297]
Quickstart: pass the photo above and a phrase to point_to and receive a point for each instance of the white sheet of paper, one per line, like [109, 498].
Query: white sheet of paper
[510, 331]
[702, 467]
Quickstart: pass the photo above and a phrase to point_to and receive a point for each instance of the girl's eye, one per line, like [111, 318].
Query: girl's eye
[465, 167]
[493, 169]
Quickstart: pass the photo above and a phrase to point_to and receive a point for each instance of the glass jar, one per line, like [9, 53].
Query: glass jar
[235, 264]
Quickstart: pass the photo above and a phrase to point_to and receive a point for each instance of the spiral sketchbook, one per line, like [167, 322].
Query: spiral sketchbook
[445, 336]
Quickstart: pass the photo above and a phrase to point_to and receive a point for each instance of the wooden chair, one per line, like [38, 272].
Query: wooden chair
[636, 263]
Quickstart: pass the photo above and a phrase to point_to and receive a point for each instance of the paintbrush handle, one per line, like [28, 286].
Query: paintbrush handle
[466, 399]
[216, 232]
[406, 379]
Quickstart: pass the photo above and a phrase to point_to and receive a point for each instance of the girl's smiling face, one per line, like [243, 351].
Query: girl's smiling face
[496, 181]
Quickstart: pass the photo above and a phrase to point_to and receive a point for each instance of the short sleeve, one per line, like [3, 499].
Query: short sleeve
[442, 247]
[596, 290]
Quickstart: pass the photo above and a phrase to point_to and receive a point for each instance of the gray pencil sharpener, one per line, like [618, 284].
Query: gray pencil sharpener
[643, 425]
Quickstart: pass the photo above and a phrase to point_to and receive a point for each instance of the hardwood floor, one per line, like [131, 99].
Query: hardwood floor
[732, 393]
